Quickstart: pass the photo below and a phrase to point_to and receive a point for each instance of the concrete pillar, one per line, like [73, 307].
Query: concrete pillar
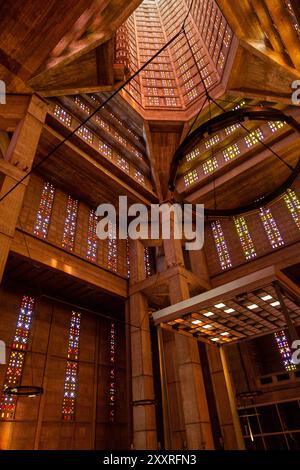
[194, 404]
[144, 419]
[18, 161]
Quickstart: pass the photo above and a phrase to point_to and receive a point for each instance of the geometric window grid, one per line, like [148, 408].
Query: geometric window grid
[86, 134]
[210, 165]
[105, 149]
[221, 245]
[253, 138]
[229, 130]
[245, 237]
[231, 152]
[82, 105]
[70, 382]
[284, 350]
[62, 115]
[139, 176]
[212, 141]
[112, 372]
[193, 154]
[275, 125]
[70, 224]
[16, 360]
[271, 228]
[112, 247]
[92, 239]
[42, 219]
[148, 262]
[293, 205]
[190, 177]
[122, 163]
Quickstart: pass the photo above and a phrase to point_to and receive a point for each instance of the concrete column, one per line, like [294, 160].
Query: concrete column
[194, 404]
[144, 419]
[18, 161]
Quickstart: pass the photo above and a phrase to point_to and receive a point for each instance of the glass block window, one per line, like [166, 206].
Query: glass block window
[231, 152]
[122, 163]
[192, 155]
[271, 228]
[112, 372]
[16, 360]
[285, 351]
[221, 245]
[43, 215]
[253, 138]
[293, 205]
[112, 248]
[212, 141]
[92, 239]
[231, 129]
[105, 149]
[82, 105]
[148, 262]
[62, 115]
[139, 176]
[210, 165]
[190, 178]
[85, 134]
[245, 237]
[276, 125]
[70, 382]
[70, 224]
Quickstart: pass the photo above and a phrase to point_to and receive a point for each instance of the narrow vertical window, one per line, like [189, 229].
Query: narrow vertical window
[112, 372]
[271, 228]
[293, 205]
[221, 245]
[285, 351]
[245, 237]
[16, 360]
[70, 383]
[70, 224]
[92, 240]
[148, 262]
[112, 248]
[43, 215]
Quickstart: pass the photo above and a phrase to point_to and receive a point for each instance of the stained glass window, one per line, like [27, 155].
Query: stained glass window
[271, 228]
[17, 356]
[139, 176]
[112, 248]
[245, 237]
[284, 350]
[210, 165]
[148, 262]
[112, 372]
[212, 141]
[86, 134]
[92, 239]
[230, 129]
[70, 383]
[70, 224]
[105, 149]
[221, 245]
[193, 154]
[82, 105]
[42, 219]
[254, 137]
[122, 163]
[62, 115]
[276, 125]
[190, 177]
[293, 205]
[231, 152]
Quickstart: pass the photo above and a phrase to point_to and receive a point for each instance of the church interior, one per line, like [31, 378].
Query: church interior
[133, 344]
